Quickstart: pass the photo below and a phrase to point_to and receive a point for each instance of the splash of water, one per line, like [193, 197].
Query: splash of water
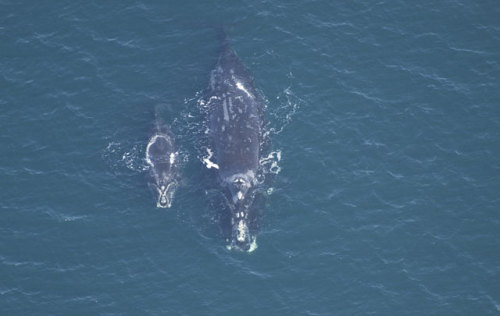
[131, 156]
[207, 162]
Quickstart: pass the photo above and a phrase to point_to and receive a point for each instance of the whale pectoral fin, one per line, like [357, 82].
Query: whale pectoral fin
[183, 182]
[152, 186]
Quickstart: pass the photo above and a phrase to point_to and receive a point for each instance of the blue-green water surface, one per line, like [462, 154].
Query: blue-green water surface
[385, 116]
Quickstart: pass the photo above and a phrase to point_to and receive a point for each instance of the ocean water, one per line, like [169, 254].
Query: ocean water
[385, 199]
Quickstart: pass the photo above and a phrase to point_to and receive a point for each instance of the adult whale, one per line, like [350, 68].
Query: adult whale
[235, 128]
[161, 156]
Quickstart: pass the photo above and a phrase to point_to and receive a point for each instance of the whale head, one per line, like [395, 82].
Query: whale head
[241, 205]
[241, 237]
[165, 194]
[162, 160]
[240, 194]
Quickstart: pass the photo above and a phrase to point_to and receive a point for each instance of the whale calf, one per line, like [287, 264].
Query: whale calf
[161, 157]
[235, 129]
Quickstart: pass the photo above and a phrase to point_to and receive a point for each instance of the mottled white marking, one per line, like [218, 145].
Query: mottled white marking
[212, 81]
[240, 195]
[230, 105]
[172, 158]
[224, 107]
[242, 88]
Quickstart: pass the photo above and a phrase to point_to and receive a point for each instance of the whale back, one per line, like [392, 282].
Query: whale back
[234, 113]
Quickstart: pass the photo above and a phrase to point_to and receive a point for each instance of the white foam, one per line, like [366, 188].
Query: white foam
[111, 146]
[130, 158]
[271, 162]
[253, 245]
[118, 155]
[208, 163]
[151, 142]
[172, 158]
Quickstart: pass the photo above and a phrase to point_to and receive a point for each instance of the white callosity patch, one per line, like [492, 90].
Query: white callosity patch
[253, 246]
[243, 181]
[242, 231]
[162, 197]
[165, 195]
[172, 158]
[247, 177]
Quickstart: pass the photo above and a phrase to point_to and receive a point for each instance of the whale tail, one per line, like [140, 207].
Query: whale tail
[223, 38]
[160, 126]
[222, 35]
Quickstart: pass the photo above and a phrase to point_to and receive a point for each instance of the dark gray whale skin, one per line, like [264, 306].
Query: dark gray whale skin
[161, 156]
[235, 128]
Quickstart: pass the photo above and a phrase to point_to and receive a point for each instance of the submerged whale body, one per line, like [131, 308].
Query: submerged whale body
[235, 125]
[161, 157]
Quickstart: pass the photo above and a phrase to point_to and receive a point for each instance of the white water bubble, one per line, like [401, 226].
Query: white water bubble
[270, 164]
[207, 162]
